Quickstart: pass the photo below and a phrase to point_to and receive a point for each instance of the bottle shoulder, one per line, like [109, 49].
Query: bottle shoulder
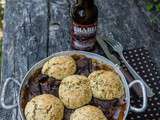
[84, 15]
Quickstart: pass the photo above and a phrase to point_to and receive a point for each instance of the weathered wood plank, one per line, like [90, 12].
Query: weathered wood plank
[12, 16]
[129, 25]
[59, 39]
[35, 30]
[25, 42]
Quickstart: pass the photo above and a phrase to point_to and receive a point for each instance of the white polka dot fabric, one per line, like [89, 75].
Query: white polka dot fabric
[142, 63]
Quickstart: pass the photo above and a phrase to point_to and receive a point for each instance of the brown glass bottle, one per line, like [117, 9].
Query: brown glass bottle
[84, 24]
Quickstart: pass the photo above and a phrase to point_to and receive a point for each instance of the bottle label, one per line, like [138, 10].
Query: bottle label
[83, 35]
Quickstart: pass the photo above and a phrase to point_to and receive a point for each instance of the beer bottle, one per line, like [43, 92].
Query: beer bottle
[84, 24]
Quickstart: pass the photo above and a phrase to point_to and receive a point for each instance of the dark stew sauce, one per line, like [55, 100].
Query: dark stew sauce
[42, 84]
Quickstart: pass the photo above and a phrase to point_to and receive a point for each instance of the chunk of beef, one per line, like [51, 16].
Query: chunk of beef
[50, 86]
[67, 113]
[34, 85]
[84, 66]
[108, 107]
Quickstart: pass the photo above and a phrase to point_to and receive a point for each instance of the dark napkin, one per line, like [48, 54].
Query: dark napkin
[141, 61]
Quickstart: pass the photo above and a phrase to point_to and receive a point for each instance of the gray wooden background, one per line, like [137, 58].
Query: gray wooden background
[34, 29]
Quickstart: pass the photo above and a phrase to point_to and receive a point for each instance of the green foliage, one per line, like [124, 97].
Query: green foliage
[0, 51]
[1, 28]
[149, 7]
[1, 16]
[158, 7]
[153, 5]
[155, 0]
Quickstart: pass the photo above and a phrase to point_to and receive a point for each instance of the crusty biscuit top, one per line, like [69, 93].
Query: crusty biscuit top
[88, 113]
[44, 107]
[59, 67]
[106, 85]
[75, 91]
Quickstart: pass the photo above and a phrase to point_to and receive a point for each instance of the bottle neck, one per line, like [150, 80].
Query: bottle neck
[86, 3]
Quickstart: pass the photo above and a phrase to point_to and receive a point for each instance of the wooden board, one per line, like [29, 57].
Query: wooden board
[25, 43]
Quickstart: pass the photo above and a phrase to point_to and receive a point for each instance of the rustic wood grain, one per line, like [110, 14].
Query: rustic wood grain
[129, 25]
[59, 37]
[25, 42]
[35, 29]
[8, 68]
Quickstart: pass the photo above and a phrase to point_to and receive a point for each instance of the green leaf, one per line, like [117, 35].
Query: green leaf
[158, 7]
[149, 7]
[1, 15]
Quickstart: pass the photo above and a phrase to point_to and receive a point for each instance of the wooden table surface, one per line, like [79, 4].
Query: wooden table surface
[35, 29]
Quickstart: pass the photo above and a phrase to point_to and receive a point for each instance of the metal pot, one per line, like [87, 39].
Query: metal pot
[89, 55]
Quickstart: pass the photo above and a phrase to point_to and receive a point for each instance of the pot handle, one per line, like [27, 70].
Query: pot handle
[8, 80]
[142, 109]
